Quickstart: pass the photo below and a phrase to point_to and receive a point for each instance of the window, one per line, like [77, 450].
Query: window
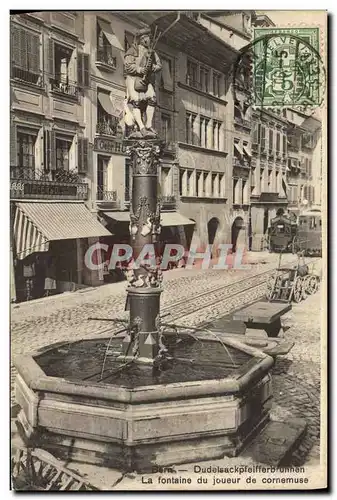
[181, 182]
[263, 138]
[62, 79]
[192, 74]
[244, 191]
[165, 181]
[216, 134]
[203, 132]
[26, 149]
[237, 112]
[107, 123]
[199, 183]
[105, 52]
[221, 184]
[216, 84]
[25, 55]
[278, 141]
[284, 139]
[271, 140]
[236, 192]
[62, 153]
[102, 167]
[189, 183]
[310, 168]
[166, 125]
[190, 129]
[214, 187]
[166, 74]
[204, 79]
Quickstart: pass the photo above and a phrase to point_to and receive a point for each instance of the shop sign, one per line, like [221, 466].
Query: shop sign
[109, 146]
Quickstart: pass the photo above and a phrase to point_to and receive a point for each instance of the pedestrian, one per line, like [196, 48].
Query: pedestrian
[29, 275]
[50, 277]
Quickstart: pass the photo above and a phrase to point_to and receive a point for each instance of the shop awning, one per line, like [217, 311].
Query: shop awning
[36, 224]
[106, 103]
[118, 216]
[108, 32]
[175, 219]
[238, 149]
[247, 151]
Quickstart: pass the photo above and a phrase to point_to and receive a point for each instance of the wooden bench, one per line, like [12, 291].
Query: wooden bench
[262, 320]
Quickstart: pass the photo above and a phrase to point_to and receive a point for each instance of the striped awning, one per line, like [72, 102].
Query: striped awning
[36, 224]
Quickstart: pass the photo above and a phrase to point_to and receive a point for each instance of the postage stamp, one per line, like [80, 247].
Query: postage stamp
[287, 67]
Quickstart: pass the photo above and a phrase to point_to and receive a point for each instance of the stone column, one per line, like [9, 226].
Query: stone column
[143, 340]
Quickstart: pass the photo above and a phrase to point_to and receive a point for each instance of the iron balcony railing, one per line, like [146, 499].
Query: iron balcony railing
[240, 163]
[29, 182]
[64, 87]
[25, 75]
[106, 195]
[106, 128]
[106, 58]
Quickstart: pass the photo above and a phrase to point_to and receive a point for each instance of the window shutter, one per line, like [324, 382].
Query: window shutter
[13, 144]
[34, 52]
[51, 59]
[46, 149]
[52, 150]
[49, 146]
[80, 69]
[85, 143]
[25, 62]
[82, 152]
[15, 46]
[86, 70]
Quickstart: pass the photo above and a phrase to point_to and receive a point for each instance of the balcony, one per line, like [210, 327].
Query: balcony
[106, 128]
[240, 163]
[31, 183]
[105, 61]
[26, 76]
[64, 88]
[242, 122]
[168, 202]
[107, 198]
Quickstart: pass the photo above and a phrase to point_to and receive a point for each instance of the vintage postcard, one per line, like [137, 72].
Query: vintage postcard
[168, 215]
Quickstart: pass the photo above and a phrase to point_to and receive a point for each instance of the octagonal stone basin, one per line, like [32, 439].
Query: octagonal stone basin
[213, 396]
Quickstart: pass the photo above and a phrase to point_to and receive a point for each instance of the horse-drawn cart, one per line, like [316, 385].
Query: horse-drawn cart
[292, 284]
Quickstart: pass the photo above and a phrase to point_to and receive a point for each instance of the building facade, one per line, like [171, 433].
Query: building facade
[51, 225]
[304, 161]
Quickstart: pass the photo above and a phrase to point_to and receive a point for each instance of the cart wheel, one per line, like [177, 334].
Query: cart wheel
[312, 283]
[298, 287]
[273, 288]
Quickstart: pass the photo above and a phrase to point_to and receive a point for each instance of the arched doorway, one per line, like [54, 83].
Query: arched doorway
[212, 228]
[238, 233]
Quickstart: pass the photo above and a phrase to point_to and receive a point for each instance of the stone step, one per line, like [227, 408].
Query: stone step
[276, 442]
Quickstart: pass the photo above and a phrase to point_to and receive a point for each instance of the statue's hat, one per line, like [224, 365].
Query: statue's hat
[143, 31]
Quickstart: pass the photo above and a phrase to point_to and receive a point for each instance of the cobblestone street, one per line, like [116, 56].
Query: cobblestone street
[296, 376]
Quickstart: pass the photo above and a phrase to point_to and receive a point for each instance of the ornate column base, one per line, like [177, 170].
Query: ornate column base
[142, 343]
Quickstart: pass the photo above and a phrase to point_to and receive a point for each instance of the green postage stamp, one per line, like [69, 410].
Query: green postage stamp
[287, 67]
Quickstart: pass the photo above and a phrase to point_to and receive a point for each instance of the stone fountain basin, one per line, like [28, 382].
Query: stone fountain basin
[137, 418]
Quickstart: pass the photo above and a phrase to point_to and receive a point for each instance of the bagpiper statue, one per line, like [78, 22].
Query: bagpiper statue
[141, 63]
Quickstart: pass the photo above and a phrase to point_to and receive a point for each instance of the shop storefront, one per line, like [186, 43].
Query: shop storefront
[49, 244]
